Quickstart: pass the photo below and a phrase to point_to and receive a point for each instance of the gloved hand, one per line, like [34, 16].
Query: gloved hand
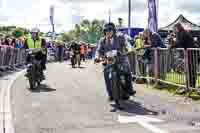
[97, 60]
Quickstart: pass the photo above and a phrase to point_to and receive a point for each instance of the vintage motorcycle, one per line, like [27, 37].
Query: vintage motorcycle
[75, 58]
[34, 69]
[117, 76]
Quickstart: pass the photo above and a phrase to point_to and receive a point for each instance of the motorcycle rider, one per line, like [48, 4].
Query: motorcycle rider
[75, 48]
[114, 41]
[36, 42]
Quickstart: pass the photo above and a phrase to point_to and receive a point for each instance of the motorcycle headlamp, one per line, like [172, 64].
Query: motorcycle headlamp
[110, 59]
[30, 52]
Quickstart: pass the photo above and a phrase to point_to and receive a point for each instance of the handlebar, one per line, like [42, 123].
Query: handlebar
[36, 50]
[96, 61]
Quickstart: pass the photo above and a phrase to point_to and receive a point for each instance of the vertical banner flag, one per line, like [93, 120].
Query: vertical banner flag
[153, 15]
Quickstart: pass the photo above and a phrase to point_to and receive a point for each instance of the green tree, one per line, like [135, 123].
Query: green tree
[26, 31]
[18, 33]
[91, 31]
[87, 31]
[68, 36]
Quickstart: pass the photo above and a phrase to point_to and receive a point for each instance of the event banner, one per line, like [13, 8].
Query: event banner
[153, 15]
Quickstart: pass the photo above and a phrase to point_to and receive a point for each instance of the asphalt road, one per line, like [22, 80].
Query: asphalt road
[75, 100]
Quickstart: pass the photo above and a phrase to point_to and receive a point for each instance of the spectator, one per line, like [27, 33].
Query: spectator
[7, 41]
[13, 43]
[139, 53]
[82, 51]
[185, 40]
[89, 52]
[139, 41]
[86, 51]
[18, 44]
[153, 40]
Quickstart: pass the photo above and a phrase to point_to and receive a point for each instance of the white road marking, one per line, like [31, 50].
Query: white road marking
[6, 119]
[1, 109]
[35, 104]
[144, 121]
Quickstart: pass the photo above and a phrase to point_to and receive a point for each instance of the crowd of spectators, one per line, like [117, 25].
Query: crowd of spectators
[179, 38]
[12, 42]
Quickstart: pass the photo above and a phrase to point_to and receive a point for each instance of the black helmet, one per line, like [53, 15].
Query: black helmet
[109, 27]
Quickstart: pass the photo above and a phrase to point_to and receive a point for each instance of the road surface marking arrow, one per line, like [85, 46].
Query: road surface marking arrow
[144, 121]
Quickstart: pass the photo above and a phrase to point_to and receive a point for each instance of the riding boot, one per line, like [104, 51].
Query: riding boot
[118, 106]
[42, 75]
[130, 89]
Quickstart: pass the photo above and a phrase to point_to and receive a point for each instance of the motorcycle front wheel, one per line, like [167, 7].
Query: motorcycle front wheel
[32, 83]
[72, 62]
[31, 77]
[115, 87]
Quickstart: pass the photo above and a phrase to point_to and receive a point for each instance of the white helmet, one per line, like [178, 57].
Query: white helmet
[35, 30]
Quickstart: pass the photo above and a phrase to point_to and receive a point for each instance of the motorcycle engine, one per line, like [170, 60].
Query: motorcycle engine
[123, 79]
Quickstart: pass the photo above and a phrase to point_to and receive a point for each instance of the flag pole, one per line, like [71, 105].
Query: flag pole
[129, 17]
[109, 12]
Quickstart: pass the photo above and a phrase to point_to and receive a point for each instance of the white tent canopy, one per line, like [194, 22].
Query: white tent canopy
[186, 24]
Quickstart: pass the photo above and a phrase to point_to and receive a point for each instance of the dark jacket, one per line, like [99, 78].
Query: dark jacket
[118, 42]
[156, 41]
[184, 40]
[75, 47]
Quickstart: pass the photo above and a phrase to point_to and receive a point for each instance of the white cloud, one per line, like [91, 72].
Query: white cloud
[30, 13]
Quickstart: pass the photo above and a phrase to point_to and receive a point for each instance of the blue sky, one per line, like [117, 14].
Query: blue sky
[30, 13]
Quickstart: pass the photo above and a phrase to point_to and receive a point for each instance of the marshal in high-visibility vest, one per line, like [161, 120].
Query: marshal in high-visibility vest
[34, 44]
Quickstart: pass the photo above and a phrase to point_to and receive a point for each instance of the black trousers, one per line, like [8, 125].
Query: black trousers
[82, 57]
[192, 70]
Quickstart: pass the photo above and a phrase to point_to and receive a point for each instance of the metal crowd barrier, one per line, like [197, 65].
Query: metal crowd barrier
[142, 64]
[176, 67]
[60, 53]
[10, 58]
[57, 54]
[193, 70]
[171, 66]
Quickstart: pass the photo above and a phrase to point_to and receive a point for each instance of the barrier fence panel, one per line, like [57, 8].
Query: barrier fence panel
[51, 56]
[177, 67]
[131, 57]
[7, 57]
[21, 57]
[171, 66]
[10, 58]
[60, 53]
[2, 57]
[193, 69]
[142, 64]
[18, 57]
